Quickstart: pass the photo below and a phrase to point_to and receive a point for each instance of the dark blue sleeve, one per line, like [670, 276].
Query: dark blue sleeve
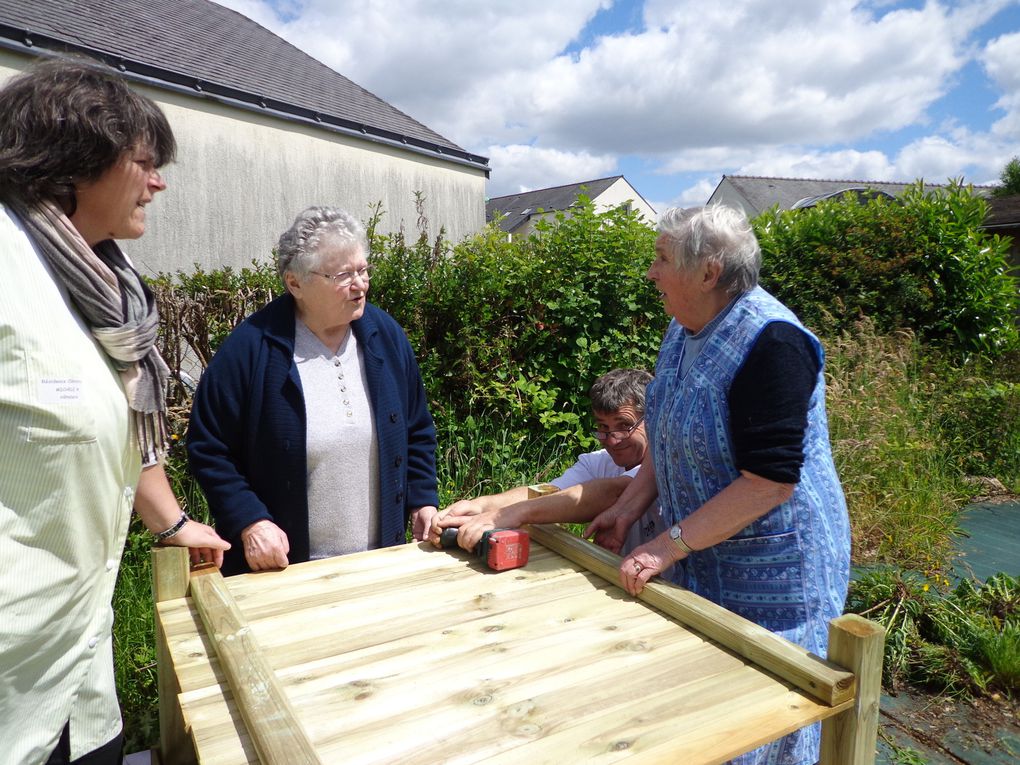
[217, 437]
[769, 401]
[422, 484]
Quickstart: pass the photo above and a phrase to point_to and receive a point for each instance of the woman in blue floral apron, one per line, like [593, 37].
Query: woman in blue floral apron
[740, 457]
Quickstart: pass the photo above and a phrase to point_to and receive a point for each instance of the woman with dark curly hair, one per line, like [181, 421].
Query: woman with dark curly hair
[82, 410]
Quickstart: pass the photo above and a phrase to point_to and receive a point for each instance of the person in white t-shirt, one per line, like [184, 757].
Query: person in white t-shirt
[587, 487]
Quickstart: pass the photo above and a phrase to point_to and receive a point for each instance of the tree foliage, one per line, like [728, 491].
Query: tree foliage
[525, 326]
[1009, 179]
[920, 262]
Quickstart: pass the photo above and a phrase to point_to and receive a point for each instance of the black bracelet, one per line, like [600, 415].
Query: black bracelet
[173, 530]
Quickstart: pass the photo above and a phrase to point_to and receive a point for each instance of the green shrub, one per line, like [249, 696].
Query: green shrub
[921, 262]
[524, 327]
[198, 310]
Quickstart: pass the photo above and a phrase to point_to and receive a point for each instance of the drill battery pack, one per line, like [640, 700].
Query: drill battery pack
[504, 549]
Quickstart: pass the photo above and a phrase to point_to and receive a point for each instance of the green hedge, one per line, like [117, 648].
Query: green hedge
[920, 262]
[524, 327]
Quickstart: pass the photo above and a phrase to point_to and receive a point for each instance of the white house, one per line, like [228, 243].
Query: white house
[263, 129]
[518, 213]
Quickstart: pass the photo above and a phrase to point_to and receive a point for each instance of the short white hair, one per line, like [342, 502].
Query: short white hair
[715, 233]
[300, 247]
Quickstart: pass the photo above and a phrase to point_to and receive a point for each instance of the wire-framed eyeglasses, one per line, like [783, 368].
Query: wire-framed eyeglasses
[346, 278]
[619, 435]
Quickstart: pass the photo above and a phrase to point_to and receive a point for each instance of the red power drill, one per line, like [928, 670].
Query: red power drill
[501, 549]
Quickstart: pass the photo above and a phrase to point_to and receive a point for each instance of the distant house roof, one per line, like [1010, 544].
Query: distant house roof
[763, 193]
[199, 47]
[518, 208]
[1003, 212]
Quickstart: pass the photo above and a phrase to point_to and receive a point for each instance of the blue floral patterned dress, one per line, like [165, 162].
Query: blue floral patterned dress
[787, 571]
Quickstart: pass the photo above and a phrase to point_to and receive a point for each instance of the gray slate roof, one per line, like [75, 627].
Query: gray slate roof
[1003, 212]
[201, 47]
[519, 207]
[763, 193]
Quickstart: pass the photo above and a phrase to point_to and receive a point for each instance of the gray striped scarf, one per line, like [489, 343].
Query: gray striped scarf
[119, 310]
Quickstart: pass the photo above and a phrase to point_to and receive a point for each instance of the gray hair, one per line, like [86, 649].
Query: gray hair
[300, 248]
[620, 387]
[715, 233]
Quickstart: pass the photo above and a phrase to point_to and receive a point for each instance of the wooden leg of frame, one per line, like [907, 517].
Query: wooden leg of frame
[849, 738]
[170, 577]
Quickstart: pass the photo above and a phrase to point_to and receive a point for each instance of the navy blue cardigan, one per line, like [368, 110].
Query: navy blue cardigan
[246, 438]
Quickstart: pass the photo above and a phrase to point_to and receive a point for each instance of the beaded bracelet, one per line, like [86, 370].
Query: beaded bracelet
[173, 530]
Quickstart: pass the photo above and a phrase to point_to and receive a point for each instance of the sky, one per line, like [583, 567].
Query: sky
[673, 94]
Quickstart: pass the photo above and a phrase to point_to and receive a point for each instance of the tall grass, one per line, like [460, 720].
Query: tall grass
[902, 483]
[488, 453]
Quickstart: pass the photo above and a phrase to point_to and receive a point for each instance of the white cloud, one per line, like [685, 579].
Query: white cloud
[1002, 62]
[848, 164]
[698, 75]
[451, 64]
[520, 168]
[693, 196]
[750, 87]
[1001, 59]
[747, 72]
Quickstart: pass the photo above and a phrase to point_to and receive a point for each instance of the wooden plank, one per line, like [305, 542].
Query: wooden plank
[825, 681]
[353, 608]
[454, 663]
[170, 573]
[277, 733]
[707, 727]
[170, 578]
[541, 489]
[850, 738]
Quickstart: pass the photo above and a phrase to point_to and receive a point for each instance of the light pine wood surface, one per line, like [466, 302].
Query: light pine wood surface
[415, 655]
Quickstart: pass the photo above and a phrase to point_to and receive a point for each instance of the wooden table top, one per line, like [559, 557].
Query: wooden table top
[414, 655]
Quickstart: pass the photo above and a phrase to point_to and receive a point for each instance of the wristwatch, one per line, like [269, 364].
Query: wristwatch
[678, 540]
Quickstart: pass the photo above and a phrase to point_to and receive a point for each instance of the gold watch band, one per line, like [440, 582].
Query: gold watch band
[678, 539]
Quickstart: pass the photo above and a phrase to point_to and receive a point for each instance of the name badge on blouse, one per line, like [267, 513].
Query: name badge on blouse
[66, 390]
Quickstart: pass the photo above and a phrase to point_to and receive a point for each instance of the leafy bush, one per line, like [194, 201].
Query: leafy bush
[525, 327]
[920, 262]
[198, 310]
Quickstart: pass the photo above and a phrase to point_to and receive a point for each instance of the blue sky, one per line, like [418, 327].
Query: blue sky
[675, 93]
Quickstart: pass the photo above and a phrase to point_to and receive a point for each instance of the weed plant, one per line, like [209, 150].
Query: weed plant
[959, 641]
[901, 479]
[487, 454]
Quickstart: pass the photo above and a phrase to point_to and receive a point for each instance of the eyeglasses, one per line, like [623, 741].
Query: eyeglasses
[619, 435]
[346, 278]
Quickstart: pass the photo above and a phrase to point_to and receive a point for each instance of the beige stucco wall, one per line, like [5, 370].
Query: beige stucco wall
[620, 193]
[241, 177]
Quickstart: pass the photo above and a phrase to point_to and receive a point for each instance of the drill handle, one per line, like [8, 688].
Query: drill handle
[448, 538]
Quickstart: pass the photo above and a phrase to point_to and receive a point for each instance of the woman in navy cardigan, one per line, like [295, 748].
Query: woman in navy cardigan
[310, 434]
